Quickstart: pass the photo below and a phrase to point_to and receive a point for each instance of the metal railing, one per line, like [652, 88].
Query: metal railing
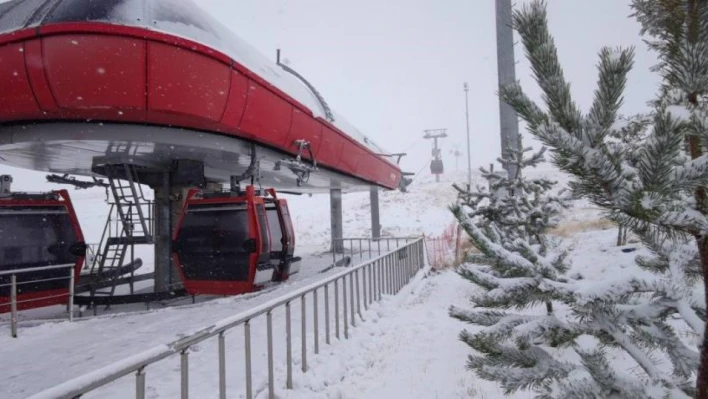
[13, 290]
[366, 246]
[367, 283]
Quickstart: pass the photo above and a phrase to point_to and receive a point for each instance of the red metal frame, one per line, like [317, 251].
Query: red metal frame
[217, 287]
[60, 296]
[236, 101]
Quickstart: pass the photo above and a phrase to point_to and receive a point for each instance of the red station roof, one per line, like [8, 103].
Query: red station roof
[160, 80]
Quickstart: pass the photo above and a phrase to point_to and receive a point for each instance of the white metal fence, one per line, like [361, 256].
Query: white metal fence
[13, 285]
[359, 285]
[366, 248]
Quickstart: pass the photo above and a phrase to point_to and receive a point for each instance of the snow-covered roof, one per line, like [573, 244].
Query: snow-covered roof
[182, 18]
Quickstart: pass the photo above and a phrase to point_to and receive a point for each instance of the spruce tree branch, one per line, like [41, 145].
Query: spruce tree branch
[613, 69]
[506, 257]
[483, 318]
[608, 291]
[639, 356]
[484, 280]
[690, 317]
[589, 164]
[532, 24]
[513, 94]
[690, 175]
[607, 377]
[660, 335]
[533, 367]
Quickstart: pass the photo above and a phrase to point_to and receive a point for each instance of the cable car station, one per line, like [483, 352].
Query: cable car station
[138, 94]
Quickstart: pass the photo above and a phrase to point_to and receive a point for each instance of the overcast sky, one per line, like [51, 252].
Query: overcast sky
[396, 67]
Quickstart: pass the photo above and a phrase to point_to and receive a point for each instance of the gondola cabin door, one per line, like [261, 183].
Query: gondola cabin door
[39, 231]
[282, 238]
[221, 245]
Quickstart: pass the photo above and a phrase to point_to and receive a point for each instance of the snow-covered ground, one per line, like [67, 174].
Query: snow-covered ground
[50, 352]
[407, 347]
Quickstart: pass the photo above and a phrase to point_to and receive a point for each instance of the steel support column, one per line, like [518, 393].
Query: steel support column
[169, 202]
[375, 218]
[336, 219]
[163, 236]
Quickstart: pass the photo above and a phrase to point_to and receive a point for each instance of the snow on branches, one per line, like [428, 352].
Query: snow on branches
[649, 173]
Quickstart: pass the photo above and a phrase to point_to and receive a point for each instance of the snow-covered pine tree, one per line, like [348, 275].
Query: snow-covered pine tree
[520, 207]
[518, 266]
[662, 197]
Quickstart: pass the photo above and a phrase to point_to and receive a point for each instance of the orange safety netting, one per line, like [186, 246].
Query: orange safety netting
[443, 249]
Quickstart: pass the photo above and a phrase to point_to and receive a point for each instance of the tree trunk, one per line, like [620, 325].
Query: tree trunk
[621, 236]
[696, 150]
[702, 383]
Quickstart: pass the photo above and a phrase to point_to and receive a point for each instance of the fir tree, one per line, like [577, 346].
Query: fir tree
[519, 206]
[656, 187]
[520, 267]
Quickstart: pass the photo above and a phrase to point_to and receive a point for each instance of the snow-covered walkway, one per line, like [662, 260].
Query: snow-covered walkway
[408, 348]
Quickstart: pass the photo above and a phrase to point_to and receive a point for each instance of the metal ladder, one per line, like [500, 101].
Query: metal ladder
[129, 223]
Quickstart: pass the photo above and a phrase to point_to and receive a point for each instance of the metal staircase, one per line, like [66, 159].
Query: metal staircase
[130, 223]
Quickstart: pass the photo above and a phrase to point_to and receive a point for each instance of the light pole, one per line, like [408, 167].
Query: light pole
[469, 155]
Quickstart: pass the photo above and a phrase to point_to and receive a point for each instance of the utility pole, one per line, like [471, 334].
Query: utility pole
[469, 149]
[436, 165]
[506, 66]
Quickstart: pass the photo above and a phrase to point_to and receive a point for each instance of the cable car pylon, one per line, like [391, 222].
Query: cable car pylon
[436, 165]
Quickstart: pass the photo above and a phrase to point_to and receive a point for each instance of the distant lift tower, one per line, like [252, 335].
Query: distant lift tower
[457, 154]
[436, 165]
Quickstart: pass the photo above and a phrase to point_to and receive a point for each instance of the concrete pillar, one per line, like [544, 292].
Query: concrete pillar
[375, 219]
[336, 219]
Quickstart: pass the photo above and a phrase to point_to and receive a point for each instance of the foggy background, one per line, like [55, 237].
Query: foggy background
[394, 68]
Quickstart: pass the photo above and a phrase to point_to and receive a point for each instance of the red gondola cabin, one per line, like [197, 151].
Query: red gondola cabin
[38, 230]
[230, 243]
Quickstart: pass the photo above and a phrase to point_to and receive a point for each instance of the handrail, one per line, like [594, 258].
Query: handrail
[13, 290]
[393, 271]
[375, 239]
[375, 245]
[36, 269]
